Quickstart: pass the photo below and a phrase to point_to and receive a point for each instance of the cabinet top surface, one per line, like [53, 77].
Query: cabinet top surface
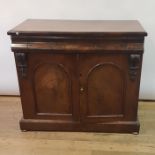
[49, 27]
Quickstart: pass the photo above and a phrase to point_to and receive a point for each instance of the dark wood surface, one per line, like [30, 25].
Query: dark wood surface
[44, 27]
[79, 83]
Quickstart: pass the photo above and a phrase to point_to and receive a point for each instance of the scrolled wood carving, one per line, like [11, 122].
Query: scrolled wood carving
[134, 60]
[21, 63]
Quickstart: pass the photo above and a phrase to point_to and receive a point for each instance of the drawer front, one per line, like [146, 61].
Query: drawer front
[109, 85]
[48, 86]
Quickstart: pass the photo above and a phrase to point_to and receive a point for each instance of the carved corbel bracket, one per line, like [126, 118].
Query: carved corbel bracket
[134, 65]
[21, 59]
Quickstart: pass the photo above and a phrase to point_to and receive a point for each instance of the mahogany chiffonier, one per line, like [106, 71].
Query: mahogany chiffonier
[79, 75]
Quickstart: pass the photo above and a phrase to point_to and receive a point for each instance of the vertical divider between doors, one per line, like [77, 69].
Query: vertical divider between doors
[81, 86]
[77, 93]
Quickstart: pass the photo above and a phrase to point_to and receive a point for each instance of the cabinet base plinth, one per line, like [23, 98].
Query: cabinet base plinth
[50, 125]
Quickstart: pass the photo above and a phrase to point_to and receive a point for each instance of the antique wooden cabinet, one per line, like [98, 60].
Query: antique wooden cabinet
[79, 75]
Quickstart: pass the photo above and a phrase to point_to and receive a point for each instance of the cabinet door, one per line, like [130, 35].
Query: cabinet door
[107, 92]
[51, 87]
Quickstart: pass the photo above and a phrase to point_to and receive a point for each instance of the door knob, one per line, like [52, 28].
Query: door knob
[81, 89]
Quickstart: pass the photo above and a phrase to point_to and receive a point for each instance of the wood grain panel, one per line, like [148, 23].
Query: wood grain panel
[105, 90]
[52, 89]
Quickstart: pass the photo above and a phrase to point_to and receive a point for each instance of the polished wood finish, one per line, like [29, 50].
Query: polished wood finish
[79, 75]
[105, 27]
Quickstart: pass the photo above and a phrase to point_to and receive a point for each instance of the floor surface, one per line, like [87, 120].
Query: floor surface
[15, 142]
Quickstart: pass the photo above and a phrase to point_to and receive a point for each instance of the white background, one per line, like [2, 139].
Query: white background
[13, 12]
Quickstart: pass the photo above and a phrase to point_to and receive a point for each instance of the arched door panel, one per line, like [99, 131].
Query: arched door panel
[103, 84]
[105, 90]
[53, 87]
